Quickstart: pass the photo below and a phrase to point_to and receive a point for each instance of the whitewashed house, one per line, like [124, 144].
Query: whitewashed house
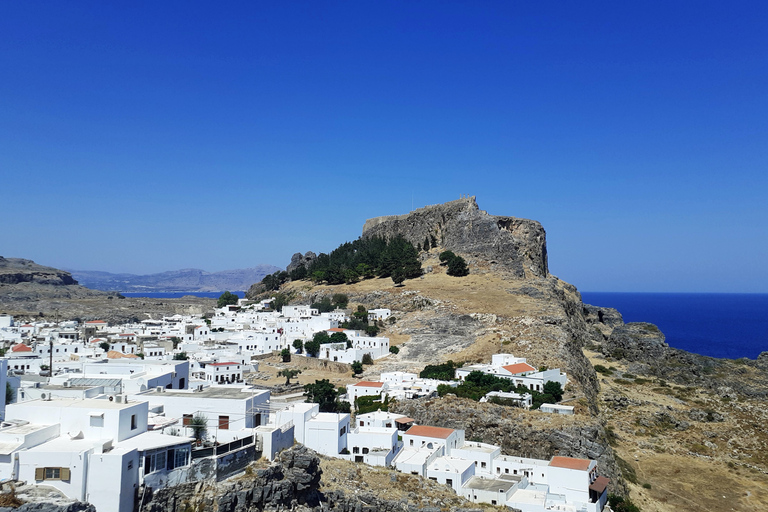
[366, 388]
[451, 471]
[379, 314]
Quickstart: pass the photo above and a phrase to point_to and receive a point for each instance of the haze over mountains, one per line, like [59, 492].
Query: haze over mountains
[184, 280]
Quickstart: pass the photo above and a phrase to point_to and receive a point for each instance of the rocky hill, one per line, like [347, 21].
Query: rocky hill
[29, 290]
[518, 246]
[17, 270]
[185, 280]
[663, 423]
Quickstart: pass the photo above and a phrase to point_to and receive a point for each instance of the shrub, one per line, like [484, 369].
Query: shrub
[367, 359]
[394, 350]
[357, 368]
[457, 267]
[286, 355]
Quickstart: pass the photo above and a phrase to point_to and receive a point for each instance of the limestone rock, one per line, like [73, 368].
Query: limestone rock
[517, 246]
[297, 260]
[636, 341]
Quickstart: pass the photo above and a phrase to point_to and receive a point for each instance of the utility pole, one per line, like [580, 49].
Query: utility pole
[50, 365]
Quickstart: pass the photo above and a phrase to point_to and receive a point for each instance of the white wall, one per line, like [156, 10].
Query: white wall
[112, 480]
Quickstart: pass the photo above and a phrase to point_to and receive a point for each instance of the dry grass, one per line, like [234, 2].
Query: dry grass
[708, 466]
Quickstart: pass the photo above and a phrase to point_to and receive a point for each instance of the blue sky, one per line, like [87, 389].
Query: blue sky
[144, 137]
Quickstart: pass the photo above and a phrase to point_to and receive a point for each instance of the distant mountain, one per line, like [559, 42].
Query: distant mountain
[185, 280]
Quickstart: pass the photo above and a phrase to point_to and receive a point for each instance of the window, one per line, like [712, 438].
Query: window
[493, 502]
[356, 449]
[482, 464]
[448, 481]
[133, 422]
[224, 422]
[130, 464]
[52, 474]
[186, 419]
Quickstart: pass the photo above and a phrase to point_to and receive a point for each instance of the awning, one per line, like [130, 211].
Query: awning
[404, 420]
[599, 484]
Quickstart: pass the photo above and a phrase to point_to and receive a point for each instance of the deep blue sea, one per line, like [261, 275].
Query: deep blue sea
[730, 325]
[178, 295]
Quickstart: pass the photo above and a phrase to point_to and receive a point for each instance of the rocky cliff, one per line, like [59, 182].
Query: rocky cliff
[517, 246]
[17, 270]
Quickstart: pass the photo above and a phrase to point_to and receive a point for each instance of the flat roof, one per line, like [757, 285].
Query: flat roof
[528, 497]
[213, 392]
[77, 403]
[152, 440]
[492, 484]
[415, 456]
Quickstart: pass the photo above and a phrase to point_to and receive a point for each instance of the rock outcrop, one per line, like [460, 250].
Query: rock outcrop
[516, 246]
[635, 341]
[17, 270]
[299, 260]
[293, 482]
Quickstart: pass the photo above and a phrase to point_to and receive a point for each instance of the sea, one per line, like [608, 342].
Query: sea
[178, 295]
[729, 325]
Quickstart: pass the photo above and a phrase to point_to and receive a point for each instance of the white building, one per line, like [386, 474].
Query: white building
[451, 471]
[378, 315]
[228, 410]
[224, 373]
[366, 388]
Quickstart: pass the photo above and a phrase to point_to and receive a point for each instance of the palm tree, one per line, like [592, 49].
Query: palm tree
[199, 426]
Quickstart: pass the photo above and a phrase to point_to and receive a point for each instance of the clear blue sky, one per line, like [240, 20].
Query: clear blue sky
[152, 136]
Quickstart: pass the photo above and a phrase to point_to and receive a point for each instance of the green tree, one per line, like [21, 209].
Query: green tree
[313, 347]
[357, 368]
[299, 346]
[446, 257]
[8, 393]
[199, 426]
[324, 305]
[323, 393]
[227, 299]
[340, 300]
[445, 371]
[554, 389]
[279, 300]
[426, 244]
[367, 359]
[340, 337]
[175, 340]
[371, 330]
[288, 374]
[433, 241]
[181, 356]
[457, 267]
[398, 276]
[104, 346]
[394, 350]
[286, 355]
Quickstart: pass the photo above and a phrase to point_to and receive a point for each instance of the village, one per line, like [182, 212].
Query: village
[97, 412]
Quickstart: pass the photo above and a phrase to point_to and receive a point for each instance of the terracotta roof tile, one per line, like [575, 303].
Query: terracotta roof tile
[425, 431]
[570, 463]
[514, 369]
[369, 384]
[20, 347]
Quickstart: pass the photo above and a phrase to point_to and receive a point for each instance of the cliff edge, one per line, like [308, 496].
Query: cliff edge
[517, 246]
